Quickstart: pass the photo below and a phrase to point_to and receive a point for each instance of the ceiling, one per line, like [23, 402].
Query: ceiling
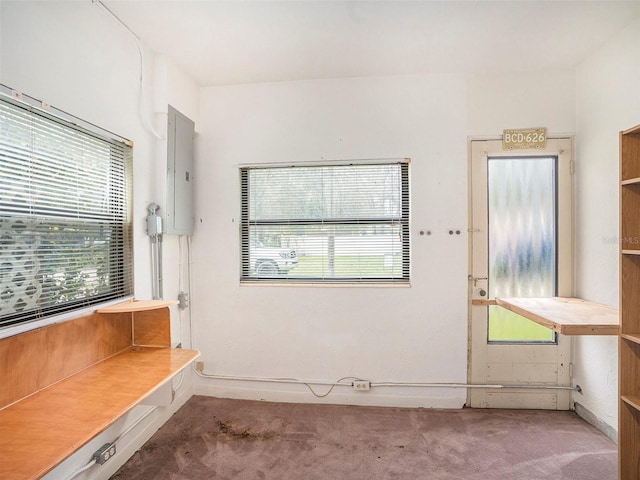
[234, 42]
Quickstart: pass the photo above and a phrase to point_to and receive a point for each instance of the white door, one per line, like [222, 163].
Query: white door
[521, 246]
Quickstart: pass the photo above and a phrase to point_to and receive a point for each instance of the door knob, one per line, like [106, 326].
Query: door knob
[482, 292]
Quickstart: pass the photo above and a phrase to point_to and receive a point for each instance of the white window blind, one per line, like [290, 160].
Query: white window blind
[65, 227]
[328, 223]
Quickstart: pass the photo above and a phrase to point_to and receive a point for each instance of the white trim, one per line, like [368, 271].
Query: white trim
[327, 284]
[482, 138]
[17, 97]
[12, 330]
[327, 163]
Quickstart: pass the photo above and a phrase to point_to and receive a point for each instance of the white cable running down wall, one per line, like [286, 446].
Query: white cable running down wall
[142, 106]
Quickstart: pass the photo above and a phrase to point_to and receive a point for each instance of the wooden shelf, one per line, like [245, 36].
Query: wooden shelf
[137, 306]
[629, 151]
[632, 337]
[631, 400]
[632, 131]
[629, 343]
[40, 431]
[568, 316]
[631, 181]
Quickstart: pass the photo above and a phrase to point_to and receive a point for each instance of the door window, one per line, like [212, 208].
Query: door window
[522, 241]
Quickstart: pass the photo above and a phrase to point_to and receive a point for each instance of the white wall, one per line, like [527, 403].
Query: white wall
[79, 59]
[416, 334]
[607, 102]
[521, 100]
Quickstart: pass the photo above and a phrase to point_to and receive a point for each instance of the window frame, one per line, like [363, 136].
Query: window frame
[117, 220]
[402, 220]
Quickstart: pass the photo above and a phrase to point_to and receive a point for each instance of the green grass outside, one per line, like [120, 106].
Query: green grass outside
[504, 325]
[349, 266]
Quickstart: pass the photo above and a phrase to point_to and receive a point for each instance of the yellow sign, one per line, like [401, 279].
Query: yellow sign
[517, 139]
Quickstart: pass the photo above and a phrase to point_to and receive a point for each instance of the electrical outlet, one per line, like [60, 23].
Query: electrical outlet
[104, 453]
[362, 385]
[183, 299]
[200, 367]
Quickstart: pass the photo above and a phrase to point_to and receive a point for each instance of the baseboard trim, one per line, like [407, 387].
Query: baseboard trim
[600, 424]
[300, 394]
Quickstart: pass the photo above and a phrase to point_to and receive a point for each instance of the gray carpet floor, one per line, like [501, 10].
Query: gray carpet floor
[211, 438]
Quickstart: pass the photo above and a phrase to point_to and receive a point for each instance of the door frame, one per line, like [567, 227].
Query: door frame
[476, 373]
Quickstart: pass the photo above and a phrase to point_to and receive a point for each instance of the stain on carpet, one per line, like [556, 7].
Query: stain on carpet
[229, 428]
[221, 439]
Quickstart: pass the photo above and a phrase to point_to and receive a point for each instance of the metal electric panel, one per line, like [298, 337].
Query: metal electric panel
[179, 212]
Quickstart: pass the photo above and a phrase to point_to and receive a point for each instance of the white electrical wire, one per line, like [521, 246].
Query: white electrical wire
[82, 469]
[117, 439]
[181, 282]
[142, 101]
[136, 423]
[380, 384]
[189, 284]
[332, 387]
[180, 380]
[126, 431]
[180, 265]
[307, 383]
[468, 385]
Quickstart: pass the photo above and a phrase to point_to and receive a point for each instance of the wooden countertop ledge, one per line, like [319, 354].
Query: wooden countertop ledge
[66, 383]
[40, 431]
[566, 315]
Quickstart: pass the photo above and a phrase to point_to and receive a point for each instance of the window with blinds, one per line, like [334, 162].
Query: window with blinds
[65, 227]
[325, 223]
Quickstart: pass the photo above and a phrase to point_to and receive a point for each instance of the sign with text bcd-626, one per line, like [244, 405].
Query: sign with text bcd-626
[517, 139]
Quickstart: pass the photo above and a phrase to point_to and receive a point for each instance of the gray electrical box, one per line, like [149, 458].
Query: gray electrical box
[179, 212]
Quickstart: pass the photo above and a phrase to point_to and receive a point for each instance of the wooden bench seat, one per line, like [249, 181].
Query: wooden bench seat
[42, 424]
